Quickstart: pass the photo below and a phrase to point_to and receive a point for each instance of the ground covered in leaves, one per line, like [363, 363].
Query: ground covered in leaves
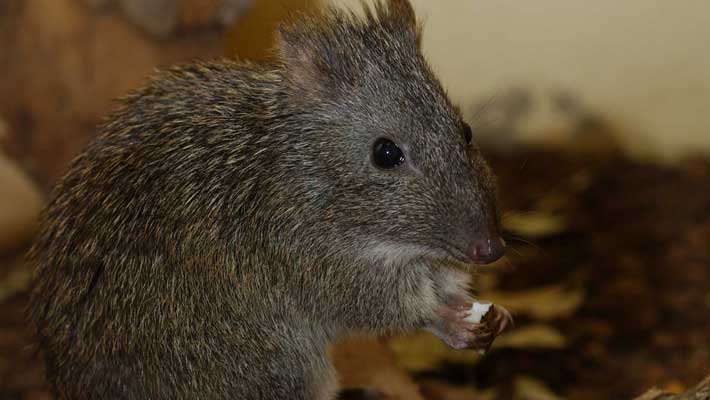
[607, 275]
[634, 239]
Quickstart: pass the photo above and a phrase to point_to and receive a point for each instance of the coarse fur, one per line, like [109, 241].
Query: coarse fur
[228, 222]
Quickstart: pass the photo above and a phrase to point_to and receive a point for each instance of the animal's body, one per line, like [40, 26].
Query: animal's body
[231, 220]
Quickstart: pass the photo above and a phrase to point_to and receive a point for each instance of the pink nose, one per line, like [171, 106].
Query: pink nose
[486, 250]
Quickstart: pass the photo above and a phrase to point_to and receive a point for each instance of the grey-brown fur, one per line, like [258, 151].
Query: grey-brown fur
[228, 223]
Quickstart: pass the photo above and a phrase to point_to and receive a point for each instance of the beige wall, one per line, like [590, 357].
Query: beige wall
[643, 64]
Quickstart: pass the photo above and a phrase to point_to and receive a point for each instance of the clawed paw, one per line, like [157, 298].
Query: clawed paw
[460, 334]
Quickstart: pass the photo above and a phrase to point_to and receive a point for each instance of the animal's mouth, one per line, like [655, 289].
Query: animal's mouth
[480, 252]
[459, 264]
[486, 250]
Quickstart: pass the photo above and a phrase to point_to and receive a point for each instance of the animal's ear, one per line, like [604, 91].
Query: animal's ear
[329, 46]
[399, 16]
[404, 12]
[298, 50]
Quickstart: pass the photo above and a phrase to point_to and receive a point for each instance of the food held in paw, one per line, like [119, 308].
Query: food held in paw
[490, 320]
[478, 310]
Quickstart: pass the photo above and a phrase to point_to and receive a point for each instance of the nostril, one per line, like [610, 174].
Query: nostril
[482, 248]
[486, 250]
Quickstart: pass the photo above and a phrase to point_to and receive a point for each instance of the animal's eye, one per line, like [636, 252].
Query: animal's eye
[467, 133]
[386, 154]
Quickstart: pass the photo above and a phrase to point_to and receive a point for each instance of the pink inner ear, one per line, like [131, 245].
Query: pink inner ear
[310, 45]
[299, 60]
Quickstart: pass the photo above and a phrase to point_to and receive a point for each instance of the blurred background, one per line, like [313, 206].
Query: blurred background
[593, 114]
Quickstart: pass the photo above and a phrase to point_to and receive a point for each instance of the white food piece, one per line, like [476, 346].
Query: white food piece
[478, 310]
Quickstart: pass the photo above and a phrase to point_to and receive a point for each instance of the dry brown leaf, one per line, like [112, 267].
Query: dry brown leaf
[700, 391]
[532, 336]
[440, 390]
[652, 394]
[534, 224]
[423, 351]
[20, 204]
[528, 388]
[548, 302]
[368, 363]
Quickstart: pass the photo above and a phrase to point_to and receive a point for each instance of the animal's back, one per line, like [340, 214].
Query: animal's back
[134, 293]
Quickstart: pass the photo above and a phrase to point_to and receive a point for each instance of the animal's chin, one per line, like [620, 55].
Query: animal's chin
[457, 263]
[398, 253]
[459, 260]
[445, 258]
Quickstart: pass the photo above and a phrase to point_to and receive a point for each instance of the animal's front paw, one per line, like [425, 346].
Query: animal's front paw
[460, 331]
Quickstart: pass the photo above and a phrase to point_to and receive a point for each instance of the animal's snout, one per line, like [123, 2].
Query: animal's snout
[486, 250]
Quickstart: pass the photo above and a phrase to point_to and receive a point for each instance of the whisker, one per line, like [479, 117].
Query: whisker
[521, 240]
[526, 242]
[508, 214]
[509, 262]
[483, 107]
[516, 251]
[482, 124]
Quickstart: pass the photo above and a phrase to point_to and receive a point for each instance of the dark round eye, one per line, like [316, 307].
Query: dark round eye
[386, 154]
[467, 133]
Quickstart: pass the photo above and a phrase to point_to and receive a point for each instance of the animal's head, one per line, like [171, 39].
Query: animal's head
[393, 167]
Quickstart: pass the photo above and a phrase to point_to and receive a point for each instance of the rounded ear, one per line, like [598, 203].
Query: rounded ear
[301, 54]
[323, 49]
[405, 12]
